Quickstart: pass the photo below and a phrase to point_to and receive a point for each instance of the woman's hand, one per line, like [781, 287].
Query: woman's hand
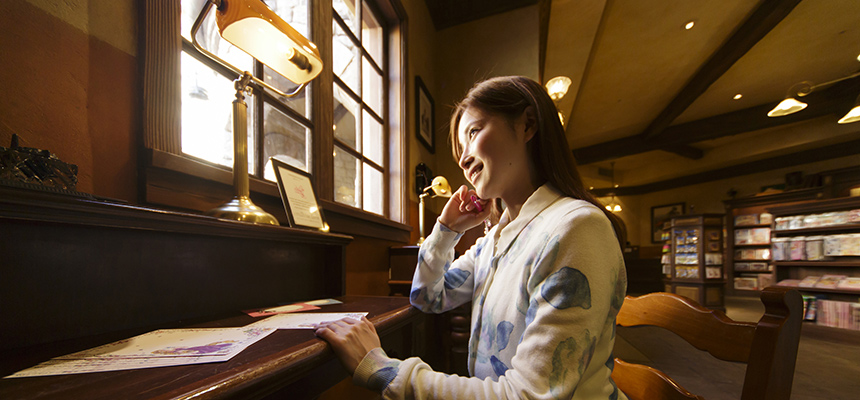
[350, 339]
[461, 214]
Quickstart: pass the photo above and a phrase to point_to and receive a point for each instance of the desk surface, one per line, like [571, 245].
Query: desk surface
[277, 361]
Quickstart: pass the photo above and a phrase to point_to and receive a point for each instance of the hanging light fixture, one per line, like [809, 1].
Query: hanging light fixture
[613, 206]
[853, 115]
[791, 104]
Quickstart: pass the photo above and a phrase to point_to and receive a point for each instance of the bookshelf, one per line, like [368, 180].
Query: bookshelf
[838, 253]
[822, 258]
[747, 275]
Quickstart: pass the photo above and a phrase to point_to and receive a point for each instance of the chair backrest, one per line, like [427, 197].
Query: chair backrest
[769, 347]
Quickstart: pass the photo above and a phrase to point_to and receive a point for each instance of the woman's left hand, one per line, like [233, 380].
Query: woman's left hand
[350, 339]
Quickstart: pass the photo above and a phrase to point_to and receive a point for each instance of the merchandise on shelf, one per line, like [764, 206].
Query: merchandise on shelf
[835, 218]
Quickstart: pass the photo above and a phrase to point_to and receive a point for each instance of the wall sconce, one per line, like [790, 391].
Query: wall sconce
[255, 29]
[438, 188]
[791, 104]
[557, 87]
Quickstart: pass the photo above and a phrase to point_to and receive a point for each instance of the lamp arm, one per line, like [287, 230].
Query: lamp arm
[813, 88]
[259, 83]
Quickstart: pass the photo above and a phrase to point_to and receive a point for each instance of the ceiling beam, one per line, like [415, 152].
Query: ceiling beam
[768, 14]
[832, 151]
[836, 99]
[544, 8]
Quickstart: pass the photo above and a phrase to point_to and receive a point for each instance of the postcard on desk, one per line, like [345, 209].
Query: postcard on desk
[302, 321]
[263, 312]
[194, 342]
[161, 348]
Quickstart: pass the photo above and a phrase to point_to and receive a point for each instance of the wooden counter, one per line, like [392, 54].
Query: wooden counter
[286, 364]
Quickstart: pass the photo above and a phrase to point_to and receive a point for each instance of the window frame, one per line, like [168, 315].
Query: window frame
[381, 117]
[169, 178]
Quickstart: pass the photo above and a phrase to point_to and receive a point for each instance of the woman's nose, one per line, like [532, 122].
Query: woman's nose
[465, 159]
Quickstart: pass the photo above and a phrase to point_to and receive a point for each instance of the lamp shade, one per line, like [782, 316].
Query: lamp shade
[557, 87]
[788, 106]
[251, 26]
[440, 187]
[852, 116]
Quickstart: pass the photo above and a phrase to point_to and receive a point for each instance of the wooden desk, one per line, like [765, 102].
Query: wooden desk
[290, 364]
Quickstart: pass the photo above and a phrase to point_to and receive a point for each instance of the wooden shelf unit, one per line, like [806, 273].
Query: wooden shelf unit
[756, 205]
[695, 259]
[836, 265]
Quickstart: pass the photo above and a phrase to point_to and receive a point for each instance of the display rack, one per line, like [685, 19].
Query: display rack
[693, 262]
[747, 268]
[816, 250]
[819, 239]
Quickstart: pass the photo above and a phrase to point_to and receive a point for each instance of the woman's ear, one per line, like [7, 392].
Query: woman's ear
[531, 122]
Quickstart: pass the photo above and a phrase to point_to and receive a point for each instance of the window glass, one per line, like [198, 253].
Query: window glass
[207, 114]
[346, 10]
[295, 13]
[345, 121]
[372, 189]
[285, 139]
[344, 58]
[372, 87]
[209, 38]
[371, 34]
[371, 134]
[347, 181]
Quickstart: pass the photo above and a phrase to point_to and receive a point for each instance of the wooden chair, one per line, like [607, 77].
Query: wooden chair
[769, 347]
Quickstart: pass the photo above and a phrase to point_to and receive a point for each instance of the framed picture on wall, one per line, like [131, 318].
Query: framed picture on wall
[300, 199]
[425, 124]
[661, 215]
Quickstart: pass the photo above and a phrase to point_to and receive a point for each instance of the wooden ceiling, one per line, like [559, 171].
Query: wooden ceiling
[656, 99]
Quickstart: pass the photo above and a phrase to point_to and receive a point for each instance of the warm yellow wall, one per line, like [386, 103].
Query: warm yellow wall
[69, 85]
[421, 56]
[502, 44]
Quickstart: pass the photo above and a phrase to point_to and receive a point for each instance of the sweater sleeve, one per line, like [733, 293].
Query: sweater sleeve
[575, 289]
[441, 283]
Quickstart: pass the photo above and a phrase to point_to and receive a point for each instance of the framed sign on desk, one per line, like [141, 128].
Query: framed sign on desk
[300, 199]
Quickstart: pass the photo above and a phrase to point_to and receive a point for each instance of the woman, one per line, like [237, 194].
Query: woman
[545, 282]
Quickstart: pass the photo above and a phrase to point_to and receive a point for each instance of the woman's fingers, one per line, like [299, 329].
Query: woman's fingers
[350, 339]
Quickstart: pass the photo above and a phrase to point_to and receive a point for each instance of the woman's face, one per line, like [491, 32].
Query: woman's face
[495, 157]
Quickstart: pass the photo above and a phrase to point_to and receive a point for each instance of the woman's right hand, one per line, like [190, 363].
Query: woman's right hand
[460, 213]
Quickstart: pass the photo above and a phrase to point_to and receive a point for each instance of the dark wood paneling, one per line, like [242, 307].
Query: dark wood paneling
[73, 267]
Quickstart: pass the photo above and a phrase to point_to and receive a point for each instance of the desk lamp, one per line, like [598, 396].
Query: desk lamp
[255, 29]
[439, 187]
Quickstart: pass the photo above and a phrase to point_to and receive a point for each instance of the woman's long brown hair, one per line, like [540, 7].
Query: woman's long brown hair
[509, 96]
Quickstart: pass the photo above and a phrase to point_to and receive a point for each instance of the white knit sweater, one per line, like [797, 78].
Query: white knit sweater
[545, 289]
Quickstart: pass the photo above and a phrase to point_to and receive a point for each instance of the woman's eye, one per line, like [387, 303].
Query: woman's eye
[472, 132]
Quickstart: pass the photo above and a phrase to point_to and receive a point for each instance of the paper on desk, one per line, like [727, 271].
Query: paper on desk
[323, 302]
[166, 347]
[303, 320]
[262, 312]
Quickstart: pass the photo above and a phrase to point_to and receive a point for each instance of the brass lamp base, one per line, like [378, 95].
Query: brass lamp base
[242, 209]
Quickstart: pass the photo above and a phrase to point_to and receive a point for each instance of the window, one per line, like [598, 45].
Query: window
[277, 127]
[359, 105]
[346, 128]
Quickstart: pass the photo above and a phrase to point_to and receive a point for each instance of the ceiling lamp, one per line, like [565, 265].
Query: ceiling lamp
[557, 87]
[853, 115]
[791, 104]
